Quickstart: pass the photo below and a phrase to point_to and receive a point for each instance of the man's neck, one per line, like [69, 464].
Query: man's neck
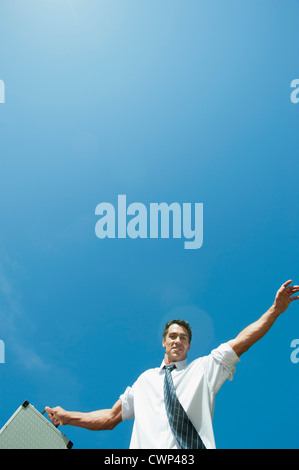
[170, 360]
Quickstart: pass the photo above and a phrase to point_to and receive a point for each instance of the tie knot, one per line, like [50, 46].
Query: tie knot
[170, 367]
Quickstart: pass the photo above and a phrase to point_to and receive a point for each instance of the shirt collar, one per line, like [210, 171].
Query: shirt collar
[180, 365]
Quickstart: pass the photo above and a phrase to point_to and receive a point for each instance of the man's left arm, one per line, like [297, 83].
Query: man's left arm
[259, 328]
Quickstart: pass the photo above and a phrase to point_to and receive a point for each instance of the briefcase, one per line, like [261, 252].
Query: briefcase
[29, 429]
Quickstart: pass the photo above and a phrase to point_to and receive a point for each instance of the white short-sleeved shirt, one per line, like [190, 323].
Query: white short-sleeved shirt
[196, 385]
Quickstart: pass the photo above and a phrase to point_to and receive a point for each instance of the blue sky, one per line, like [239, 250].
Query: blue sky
[165, 101]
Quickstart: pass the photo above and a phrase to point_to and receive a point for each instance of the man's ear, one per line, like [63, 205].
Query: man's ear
[163, 343]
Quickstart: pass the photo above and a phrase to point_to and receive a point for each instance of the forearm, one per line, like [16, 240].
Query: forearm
[258, 329]
[254, 332]
[100, 420]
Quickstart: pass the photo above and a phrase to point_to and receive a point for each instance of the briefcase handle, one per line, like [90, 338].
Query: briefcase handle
[43, 412]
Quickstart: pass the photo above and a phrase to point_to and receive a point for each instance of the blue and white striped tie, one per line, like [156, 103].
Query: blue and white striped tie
[182, 428]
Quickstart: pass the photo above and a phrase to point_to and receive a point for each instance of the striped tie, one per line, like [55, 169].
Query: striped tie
[182, 428]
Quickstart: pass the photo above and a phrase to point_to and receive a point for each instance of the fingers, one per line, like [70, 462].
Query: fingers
[284, 286]
[287, 287]
[50, 411]
[52, 414]
[290, 290]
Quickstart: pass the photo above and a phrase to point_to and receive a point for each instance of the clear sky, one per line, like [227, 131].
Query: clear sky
[161, 101]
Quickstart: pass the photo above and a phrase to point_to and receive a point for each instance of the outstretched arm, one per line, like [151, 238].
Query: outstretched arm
[95, 420]
[258, 329]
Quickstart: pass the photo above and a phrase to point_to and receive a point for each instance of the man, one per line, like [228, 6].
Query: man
[173, 409]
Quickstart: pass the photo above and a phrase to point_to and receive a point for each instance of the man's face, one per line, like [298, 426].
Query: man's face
[176, 344]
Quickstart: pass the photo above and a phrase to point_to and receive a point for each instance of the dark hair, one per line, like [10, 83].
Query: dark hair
[182, 323]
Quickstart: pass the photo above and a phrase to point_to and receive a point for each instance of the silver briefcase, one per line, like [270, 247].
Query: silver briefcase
[29, 429]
